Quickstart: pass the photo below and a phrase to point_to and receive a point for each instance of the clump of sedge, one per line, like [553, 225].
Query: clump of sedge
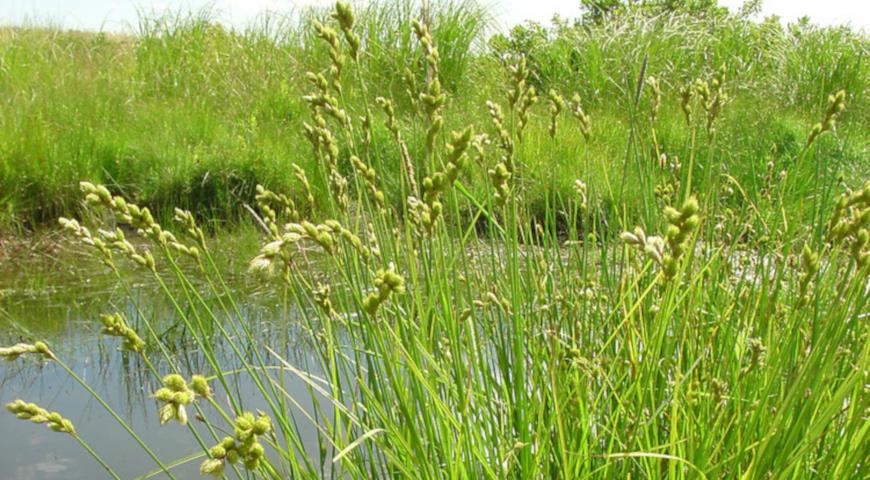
[344, 15]
[668, 251]
[243, 446]
[850, 224]
[36, 414]
[836, 105]
[387, 282]
[176, 394]
[557, 104]
[810, 267]
[114, 325]
[433, 98]
[581, 116]
[12, 353]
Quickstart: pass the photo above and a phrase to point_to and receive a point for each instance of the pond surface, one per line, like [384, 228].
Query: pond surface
[61, 305]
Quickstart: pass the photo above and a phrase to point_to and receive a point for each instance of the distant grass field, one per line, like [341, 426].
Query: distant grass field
[188, 113]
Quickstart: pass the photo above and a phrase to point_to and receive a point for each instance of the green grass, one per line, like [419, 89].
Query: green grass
[188, 113]
[514, 329]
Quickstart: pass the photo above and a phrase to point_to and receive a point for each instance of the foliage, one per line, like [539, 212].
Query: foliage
[468, 333]
[189, 113]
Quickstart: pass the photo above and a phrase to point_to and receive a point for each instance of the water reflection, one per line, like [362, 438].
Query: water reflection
[67, 320]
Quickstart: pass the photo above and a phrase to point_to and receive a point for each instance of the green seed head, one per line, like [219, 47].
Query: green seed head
[167, 412]
[256, 451]
[692, 222]
[263, 425]
[182, 398]
[245, 421]
[174, 381]
[212, 466]
[200, 386]
[36, 414]
[252, 463]
[690, 207]
[629, 238]
[164, 394]
[217, 451]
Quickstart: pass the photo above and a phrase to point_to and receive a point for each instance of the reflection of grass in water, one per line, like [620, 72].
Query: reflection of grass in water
[122, 377]
[51, 266]
[565, 349]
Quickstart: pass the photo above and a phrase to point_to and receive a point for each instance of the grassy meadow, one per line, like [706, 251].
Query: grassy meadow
[634, 245]
[186, 113]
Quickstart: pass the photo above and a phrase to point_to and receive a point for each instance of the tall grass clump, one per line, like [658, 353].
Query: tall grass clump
[682, 325]
[187, 112]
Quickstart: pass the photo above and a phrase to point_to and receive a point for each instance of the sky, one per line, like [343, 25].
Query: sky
[120, 15]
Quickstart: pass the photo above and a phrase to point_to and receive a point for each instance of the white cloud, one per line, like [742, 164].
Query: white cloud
[111, 14]
[827, 12]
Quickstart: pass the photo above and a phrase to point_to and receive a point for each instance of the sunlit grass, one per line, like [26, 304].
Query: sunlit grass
[663, 312]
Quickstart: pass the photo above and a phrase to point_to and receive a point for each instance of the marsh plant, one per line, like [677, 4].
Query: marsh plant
[458, 335]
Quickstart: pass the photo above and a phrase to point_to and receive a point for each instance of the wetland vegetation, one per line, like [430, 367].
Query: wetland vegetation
[634, 245]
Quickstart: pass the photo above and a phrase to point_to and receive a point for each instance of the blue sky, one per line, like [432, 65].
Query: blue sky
[119, 15]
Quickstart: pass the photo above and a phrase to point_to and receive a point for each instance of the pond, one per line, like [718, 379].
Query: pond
[61, 305]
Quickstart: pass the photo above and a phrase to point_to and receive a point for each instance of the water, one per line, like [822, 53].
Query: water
[62, 307]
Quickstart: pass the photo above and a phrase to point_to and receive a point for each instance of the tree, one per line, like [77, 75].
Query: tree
[595, 11]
